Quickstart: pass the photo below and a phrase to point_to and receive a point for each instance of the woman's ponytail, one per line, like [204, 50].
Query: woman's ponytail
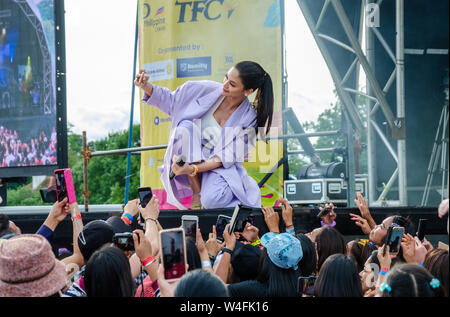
[254, 77]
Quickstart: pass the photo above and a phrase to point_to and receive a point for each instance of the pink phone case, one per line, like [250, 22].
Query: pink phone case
[69, 185]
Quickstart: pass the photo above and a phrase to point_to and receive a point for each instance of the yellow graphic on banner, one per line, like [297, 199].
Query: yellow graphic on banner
[181, 40]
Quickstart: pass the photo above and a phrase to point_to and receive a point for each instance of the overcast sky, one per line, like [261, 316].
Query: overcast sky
[99, 62]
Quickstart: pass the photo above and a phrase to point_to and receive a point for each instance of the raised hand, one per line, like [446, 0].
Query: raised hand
[271, 218]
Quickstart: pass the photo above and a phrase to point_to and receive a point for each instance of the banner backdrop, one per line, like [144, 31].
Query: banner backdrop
[183, 40]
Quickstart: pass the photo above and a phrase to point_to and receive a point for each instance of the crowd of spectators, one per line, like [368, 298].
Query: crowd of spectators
[277, 264]
[15, 151]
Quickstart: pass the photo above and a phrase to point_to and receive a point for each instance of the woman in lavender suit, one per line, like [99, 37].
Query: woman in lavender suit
[214, 126]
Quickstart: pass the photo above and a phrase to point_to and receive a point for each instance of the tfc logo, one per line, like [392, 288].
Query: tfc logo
[211, 9]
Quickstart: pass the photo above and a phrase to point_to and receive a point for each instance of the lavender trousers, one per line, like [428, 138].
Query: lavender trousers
[215, 192]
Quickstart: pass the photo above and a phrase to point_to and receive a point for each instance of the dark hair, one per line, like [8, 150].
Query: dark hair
[338, 277]
[200, 283]
[192, 256]
[280, 282]
[436, 262]
[254, 77]
[308, 263]
[361, 250]
[329, 241]
[108, 274]
[4, 225]
[410, 280]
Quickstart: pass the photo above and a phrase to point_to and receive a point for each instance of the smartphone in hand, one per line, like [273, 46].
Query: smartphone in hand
[190, 225]
[145, 195]
[173, 250]
[64, 185]
[221, 223]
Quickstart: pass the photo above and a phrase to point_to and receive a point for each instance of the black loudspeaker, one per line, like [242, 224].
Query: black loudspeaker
[331, 170]
[2, 194]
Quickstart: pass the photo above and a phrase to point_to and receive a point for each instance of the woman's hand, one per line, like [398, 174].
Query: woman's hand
[364, 210]
[141, 81]
[212, 245]
[272, 219]
[409, 248]
[142, 245]
[286, 212]
[230, 239]
[186, 169]
[166, 289]
[151, 210]
[331, 216]
[362, 223]
[421, 250]
[384, 259]
[250, 233]
[58, 213]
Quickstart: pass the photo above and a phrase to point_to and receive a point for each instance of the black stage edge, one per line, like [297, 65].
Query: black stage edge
[305, 220]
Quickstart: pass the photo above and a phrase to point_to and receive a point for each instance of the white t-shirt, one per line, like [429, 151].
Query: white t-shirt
[211, 129]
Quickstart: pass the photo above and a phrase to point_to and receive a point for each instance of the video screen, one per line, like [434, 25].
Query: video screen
[28, 118]
[173, 254]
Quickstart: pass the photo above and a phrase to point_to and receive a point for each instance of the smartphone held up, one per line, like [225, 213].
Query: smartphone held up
[64, 185]
[173, 250]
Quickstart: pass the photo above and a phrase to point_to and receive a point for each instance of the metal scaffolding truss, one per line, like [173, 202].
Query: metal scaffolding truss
[374, 94]
[48, 105]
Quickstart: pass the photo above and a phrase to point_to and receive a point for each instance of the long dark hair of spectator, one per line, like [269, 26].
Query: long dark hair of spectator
[361, 250]
[338, 277]
[108, 274]
[254, 77]
[280, 282]
[200, 283]
[410, 280]
[436, 262]
[308, 263]
[329, 241]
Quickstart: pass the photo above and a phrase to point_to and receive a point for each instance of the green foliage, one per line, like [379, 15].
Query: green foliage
[23, 196]
[331, 120]
[107, 174]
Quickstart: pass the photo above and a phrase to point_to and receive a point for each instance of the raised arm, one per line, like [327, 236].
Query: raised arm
[141, 81]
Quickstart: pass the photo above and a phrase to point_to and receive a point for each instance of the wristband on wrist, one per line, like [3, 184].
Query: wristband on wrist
[383, 270]
[211, 257]
[149, 218]
[78, 216]
[129, 216]
[206, 264]
[290, 231]
[148, 261]
[126, 220]
[226, 250]
[256, 243]
[333, 224]
[195, 170]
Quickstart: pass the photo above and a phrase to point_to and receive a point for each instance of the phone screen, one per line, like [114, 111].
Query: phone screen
[222, 221]
[145, 194]
[306, 285]
[190, 228]
[172, 244]
[396, 239]
[60, 185]
[421, 229]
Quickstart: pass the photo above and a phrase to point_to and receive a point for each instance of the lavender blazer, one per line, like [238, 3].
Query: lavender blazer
[191, 101]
